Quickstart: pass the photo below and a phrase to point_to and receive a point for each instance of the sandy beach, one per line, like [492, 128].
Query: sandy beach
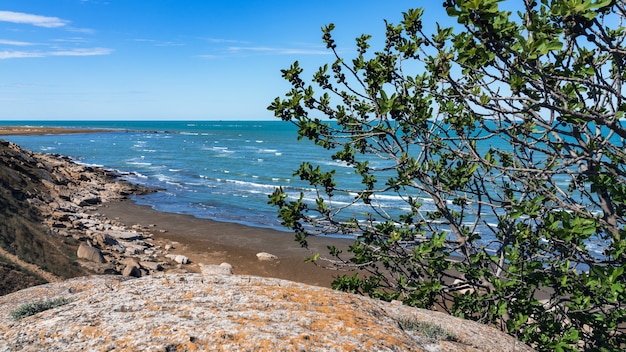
[211, 242]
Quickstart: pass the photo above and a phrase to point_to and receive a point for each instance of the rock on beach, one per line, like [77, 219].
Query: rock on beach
[266, 256]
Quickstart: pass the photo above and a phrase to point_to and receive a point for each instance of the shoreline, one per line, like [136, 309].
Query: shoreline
[210, 242]
[24, 130]
[202, 241]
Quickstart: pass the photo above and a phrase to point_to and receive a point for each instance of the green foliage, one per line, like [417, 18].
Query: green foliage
[28, 309]
[517, 113]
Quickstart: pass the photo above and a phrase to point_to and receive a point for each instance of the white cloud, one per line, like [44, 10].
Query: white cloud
[278, 51]
[19, 54]
[78, 40]
[71, 52]
[220, 40]
[14, 42]
[159, 43]
[35, 20]
[81, 52]
[234, 51]
[81, 30]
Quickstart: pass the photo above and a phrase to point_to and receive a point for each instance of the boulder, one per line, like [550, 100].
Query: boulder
[120, 234]
[90, 253]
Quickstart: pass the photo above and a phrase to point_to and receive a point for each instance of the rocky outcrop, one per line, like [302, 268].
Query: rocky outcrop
[64, 195]
[190, 312]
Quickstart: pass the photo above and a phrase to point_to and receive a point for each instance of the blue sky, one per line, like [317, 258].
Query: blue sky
[169, 59]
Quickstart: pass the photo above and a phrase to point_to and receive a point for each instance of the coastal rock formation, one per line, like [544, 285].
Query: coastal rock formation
[189, 312]
[47, 217]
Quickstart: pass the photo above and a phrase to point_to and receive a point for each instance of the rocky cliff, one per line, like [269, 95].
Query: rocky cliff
[46, 233]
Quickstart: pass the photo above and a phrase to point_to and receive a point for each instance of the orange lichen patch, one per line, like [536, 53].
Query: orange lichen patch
[149, 303]
[187, 346]
[84, 287]
[91, 331]
[346, 317]
[189, 295]
[161, 331]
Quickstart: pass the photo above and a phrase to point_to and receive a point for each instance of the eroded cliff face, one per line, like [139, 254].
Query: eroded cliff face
[213, 312]
[22, 231]
[43, 199]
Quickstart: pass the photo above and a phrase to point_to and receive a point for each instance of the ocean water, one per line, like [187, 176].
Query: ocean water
[218, 170]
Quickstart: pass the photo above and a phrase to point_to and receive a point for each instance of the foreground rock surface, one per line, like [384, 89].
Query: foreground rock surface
[187, 312]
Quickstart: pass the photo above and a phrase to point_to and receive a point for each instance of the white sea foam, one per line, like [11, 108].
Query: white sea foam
[138, 163]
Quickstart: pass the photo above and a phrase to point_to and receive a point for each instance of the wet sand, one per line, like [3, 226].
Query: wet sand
[211, 242]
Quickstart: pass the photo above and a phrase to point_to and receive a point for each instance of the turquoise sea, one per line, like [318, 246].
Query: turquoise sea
[218, 170]
[221, 170]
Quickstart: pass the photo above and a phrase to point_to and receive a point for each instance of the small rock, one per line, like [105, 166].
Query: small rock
[266, 256]
[180, 259]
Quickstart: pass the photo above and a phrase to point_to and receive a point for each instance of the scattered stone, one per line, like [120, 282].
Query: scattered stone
[90, 253]
[178, 258]
[126, 235]
[266, 256]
